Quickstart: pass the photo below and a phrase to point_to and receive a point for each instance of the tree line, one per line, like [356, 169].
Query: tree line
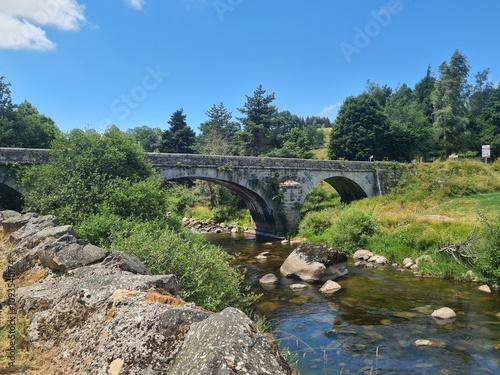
[437, 117]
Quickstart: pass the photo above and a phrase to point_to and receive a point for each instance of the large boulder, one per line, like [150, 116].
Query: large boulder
[228, 343]
[315, 262]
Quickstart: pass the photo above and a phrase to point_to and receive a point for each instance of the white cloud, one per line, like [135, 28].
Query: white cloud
[329, 109]
[136, 4]
[21, 22]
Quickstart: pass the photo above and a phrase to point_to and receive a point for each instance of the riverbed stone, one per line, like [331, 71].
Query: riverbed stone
[444, 313]
[330, 287]
[298, 286]
[485, 288]
[315, 262]
[424, 258]
[362, 254]
[408, 262]
[268, 279]
[424, 342]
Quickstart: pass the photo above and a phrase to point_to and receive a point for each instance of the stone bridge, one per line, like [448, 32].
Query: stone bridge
[273, 189]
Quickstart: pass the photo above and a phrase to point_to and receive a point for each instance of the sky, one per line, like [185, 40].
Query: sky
[89, 64]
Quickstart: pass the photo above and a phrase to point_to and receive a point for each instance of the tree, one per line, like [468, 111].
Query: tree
[379, 93]
[422, 93]
[410, 132]
[83, 164]
[360, 130]
[489, 123]
[179, 138]
[449, 100]
[218, 132]
[258, 121]
[148, 138]
[22, 125]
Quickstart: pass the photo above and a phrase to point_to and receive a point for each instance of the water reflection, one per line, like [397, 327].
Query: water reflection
[371, 325]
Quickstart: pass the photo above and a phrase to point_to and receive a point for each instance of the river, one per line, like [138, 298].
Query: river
[370, 326]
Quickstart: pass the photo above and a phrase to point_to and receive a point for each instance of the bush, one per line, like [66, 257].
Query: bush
[487, 249]
[316, 223]
[352, 229]
[203, 270]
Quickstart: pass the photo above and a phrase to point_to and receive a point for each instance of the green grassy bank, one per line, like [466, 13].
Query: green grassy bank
[448, 210]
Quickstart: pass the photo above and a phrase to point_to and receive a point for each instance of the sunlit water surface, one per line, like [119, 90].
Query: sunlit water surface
[372, 323]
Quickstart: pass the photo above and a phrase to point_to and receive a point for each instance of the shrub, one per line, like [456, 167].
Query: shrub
[203, 270]
[316, 223]
[352, 229]
[487, 249]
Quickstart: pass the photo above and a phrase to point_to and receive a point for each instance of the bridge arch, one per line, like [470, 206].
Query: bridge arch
[348, 189]
[264, 214]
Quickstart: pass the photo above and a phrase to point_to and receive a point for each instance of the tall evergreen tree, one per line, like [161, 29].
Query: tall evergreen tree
[218, 132]
[258, 121]
[179, 138]
[422, 93]
[449, 101]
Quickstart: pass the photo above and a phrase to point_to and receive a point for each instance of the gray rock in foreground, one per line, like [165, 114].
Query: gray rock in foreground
[315, 262]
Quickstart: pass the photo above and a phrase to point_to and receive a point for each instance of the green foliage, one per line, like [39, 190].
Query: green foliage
[449, 100]
[360, 130]
[451, 178]
[77, 180]
[315, 224]
[489, 123]
[352, 229]
[258, 121]
[22, 125]
[321, 197]
[148, 138]
[101, 228]
[217, 134]
[203, 270]
[179, 137]
[487, 249]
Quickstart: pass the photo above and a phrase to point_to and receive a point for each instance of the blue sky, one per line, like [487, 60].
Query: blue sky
[134, 62]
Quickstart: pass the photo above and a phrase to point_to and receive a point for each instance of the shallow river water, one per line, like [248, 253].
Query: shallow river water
[370, 326]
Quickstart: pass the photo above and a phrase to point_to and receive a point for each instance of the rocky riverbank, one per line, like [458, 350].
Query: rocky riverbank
[91, 312]
[211, 226]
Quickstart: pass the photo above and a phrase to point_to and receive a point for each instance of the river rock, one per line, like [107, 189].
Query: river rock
[298, 286]
[408, 262]
[362, 254]
[423, 342]
[268, 279]
[424, 258]
[315, 262]
[485, 288]
[444, 313]
[330, 287]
